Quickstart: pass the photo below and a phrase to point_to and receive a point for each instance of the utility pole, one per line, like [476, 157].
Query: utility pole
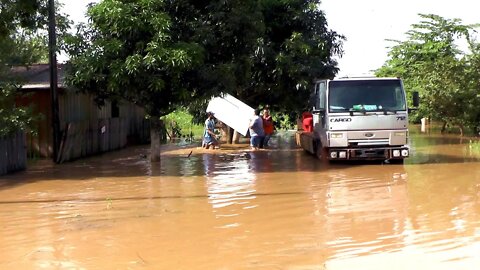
[52, 46]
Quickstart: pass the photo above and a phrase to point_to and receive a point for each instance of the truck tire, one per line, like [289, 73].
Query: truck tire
[320, 152]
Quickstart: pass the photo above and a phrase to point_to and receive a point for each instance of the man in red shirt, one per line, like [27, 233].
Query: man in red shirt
[267, 126]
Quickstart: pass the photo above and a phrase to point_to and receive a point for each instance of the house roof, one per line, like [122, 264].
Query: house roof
[38, 76]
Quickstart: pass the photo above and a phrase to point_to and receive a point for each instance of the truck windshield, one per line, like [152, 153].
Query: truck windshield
[366, 95]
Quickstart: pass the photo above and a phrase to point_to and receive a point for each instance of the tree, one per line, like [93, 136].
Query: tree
[21, 47]
[296, 48]
[162, 54]
[431, 62]
[129, 51]
[22, 43]
[275, 51]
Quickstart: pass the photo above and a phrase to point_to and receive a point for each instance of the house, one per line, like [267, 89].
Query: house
[86, 128]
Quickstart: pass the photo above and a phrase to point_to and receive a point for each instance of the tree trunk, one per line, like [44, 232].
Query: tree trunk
[444, 127]
[236, 137]
[231, 133]
[224, 132]
[157, 137]
[462, 129]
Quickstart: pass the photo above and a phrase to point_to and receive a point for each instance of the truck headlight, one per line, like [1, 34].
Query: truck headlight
[333, 154]
[396, 153]
[405, 153]
[336, 135]
[342, 154]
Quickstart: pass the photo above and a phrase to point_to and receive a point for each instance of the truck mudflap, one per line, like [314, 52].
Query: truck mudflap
[368, 153]
[306, 140]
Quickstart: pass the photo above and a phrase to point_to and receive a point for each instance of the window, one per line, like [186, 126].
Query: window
[319, 99]
[322, 95]
[366, 95]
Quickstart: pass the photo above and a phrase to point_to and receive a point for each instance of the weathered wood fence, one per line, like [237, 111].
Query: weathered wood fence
[13, 153]
[86, 138]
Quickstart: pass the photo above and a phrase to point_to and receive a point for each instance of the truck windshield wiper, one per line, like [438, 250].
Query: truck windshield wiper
[363, 111]
[357, 110]
[386, 111]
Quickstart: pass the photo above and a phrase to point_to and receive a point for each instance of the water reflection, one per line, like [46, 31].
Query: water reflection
[229, 181]
[442, 148]
[384, 213]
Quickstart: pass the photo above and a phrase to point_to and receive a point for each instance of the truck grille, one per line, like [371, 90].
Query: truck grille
[375, 142]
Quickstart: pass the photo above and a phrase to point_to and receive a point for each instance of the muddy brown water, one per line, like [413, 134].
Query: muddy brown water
[274, 209]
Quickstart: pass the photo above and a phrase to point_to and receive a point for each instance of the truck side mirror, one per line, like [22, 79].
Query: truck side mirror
[318, 110]
[415, 99]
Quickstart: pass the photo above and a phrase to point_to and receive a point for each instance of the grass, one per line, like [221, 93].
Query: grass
[180, 123]
[474, 146]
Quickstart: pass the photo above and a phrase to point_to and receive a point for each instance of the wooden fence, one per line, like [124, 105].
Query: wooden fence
[86, 138]
[13, 153]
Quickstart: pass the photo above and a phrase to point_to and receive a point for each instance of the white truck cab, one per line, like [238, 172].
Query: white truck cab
[358, 118]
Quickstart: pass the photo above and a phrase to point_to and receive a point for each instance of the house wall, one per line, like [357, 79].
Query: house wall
[13, 156]
[40, 144]
[83, 122]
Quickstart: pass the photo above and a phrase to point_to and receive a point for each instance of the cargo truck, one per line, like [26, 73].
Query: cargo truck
[357, 119]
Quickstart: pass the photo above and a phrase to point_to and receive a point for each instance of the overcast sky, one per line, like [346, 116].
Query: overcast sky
[365, 23]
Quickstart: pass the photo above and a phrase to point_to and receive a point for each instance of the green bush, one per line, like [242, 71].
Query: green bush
[179, 124]
[13, 118]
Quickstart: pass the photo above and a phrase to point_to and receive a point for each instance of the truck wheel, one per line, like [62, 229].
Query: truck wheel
[321, 152]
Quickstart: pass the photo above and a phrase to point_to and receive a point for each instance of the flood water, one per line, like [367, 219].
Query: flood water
[274, 209]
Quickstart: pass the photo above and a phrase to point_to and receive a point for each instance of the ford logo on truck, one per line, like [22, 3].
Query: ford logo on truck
[340, 120]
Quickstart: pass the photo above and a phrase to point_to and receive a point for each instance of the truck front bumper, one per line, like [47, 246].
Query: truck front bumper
[368, 153]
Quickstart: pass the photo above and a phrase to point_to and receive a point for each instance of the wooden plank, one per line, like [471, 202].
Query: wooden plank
[103, 128]
[23, 150]
[66, 153]
[124, 132]
[15, 150]
[62, 144]
[13, 155]
[3, 156]
[88, 138]
[77, 148]
[83, 138]
[18, 151]
[111, 137]
[94, 133]
[10, 164]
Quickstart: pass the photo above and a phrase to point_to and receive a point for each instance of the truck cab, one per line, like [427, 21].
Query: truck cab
[358, 119]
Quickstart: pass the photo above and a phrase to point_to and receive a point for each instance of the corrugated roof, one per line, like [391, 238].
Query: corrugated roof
[38, 76]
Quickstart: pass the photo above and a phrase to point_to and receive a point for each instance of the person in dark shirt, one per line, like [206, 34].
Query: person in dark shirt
[256, 130]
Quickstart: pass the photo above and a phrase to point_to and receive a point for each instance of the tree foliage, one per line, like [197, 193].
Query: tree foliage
[295, 48]
[13, 118]
[129, 51]
[23, 41]
[431, 62]
[161, 54]
[275, 51]
[25, 14]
